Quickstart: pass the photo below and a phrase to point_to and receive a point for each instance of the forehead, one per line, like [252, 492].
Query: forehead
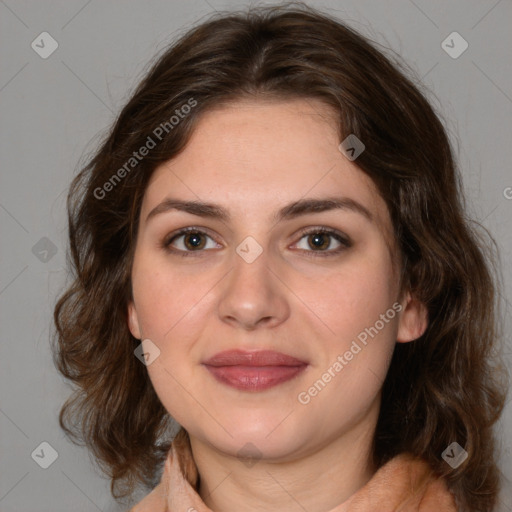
[253, 157]
[254, 139]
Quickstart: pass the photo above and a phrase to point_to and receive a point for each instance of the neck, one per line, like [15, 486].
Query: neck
[335, 471]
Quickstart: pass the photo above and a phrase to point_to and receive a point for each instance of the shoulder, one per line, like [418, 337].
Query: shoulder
[431, 491]
[405, 483]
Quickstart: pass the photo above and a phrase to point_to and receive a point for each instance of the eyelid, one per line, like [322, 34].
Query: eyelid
[167, 240]
[343, 239]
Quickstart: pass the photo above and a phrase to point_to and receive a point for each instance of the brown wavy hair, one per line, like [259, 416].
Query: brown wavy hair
[446, 386]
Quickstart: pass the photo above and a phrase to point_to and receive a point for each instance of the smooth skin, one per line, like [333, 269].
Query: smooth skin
[299, 297]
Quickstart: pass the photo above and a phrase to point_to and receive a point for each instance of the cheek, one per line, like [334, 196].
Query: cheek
[348, 378]
[170, 306]
[356, 303]
[366, 323]
[353, 298]
[166, 300]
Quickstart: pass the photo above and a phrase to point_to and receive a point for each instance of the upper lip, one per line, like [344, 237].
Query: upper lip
[253, 358]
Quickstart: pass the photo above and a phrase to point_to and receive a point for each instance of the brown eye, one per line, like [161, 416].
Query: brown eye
[187, 241]
[193, 241]
[319, 242]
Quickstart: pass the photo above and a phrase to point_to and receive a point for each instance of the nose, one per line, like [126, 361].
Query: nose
[253, 295]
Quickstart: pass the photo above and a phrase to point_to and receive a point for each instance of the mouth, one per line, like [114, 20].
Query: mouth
[254, 371]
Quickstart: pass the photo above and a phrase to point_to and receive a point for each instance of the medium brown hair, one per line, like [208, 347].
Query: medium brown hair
[440, 388]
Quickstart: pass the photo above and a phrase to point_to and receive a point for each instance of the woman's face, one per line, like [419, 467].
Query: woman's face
[262, 281]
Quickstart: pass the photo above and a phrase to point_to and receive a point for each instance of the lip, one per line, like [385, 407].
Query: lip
[254, 371]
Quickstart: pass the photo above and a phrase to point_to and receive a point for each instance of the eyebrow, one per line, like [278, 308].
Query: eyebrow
[290, 211]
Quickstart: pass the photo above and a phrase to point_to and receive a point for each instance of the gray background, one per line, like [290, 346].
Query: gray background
[52, 111]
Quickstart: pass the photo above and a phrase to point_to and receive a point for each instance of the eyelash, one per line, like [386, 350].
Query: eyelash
[344, 241]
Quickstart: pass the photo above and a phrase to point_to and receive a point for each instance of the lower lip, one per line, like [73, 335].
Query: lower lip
[254, 378]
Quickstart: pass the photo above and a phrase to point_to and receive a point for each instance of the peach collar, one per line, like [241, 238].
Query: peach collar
[404, 484]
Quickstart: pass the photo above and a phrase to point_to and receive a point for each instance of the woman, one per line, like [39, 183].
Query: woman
[270, 248]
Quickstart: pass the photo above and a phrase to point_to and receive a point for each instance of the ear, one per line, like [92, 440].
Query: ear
[413, 320]
[133, 321]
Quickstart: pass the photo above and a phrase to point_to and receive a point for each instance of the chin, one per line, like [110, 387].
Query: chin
[266, 437]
